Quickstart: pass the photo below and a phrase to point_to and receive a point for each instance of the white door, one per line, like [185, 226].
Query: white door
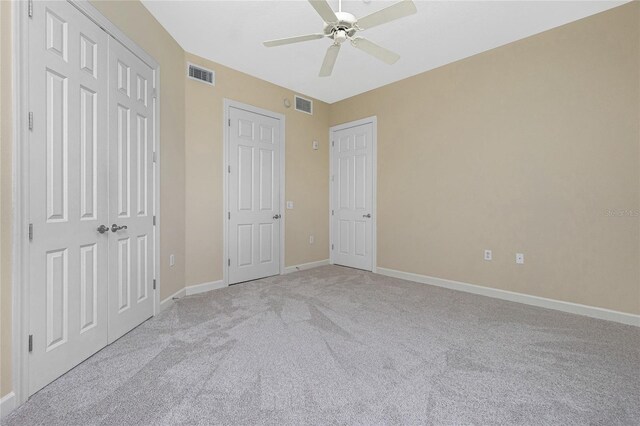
[352, 204]
[130, 191]
[68, 190]
[254, 196]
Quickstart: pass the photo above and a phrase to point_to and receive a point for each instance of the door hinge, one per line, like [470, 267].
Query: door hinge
[229, 215]
[333, 143]
[229, 121]
[154, 283]
[31, 232]
[228, 262]
[331, 212]
[331, 246]
[30, 120]
[31, 343]
[30, 8]
[154, 221]
[155, 157]
[229, 169]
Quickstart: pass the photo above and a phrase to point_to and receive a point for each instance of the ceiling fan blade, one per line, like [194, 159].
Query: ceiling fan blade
[324, 10]
[395, 11]
[329, 60]
[373, 49]
[289, 40]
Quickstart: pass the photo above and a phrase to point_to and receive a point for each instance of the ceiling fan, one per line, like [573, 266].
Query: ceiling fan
[342, 26]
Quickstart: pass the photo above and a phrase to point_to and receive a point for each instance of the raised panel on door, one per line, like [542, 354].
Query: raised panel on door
[144, 268]
[57, 296]
[142, 165]
[89, 287]
[57, 140]
[88, 154]
[352, 187]
[253, 196]
[245, 178]
[266, 242]
[68, 190]
[130, 194]
[245, 245]
[265, 173]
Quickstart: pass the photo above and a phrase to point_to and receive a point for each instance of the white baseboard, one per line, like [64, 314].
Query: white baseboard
[7, 404]
[166, 303]
[542, 302]
[303, 266]
[201, 288]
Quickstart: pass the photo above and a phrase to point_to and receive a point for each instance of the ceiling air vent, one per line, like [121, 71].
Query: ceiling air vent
[304, 105]
[201, 74]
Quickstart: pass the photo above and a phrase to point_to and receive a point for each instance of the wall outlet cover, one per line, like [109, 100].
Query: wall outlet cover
[488, 255]
[289, 205]
[519, 258]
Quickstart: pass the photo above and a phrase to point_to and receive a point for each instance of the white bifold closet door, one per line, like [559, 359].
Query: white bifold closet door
[68, 96]
[89, 167]
[352, 159]
[254, 196]
[130, 191]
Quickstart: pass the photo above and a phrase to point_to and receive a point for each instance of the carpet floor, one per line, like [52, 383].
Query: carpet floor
[334, 345]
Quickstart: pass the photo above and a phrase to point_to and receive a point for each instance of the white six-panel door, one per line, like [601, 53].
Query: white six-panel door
[130, 191]
[253, 196]
[90, 167]
[68, 190]
[352, 204]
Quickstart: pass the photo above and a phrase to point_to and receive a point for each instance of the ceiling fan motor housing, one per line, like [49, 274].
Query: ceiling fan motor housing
[343, 29]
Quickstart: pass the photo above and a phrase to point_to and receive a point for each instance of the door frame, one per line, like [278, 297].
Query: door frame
[227, 104]
[373, 120]
[20, 163]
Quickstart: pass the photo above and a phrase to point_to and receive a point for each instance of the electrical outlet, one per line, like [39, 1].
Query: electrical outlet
[314, 145]
[519, 258]
[312, 239]
[488, 255]
[172, 260]
[289, 205]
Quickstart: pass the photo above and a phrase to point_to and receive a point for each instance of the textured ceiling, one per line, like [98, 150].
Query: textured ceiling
[231, 33]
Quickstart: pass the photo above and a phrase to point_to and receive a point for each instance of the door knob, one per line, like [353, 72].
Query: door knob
[366, 215]
[277, 216]
[116, 228]
[102, 229]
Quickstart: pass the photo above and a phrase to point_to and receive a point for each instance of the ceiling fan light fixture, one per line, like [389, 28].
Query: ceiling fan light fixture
[340, 36]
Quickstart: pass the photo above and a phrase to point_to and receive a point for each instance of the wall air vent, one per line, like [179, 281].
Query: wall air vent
[304, 105]
[201, 74]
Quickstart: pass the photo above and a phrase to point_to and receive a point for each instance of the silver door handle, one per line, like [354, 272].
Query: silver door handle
[366, 215]
[277, 216]
[116, 228]
[102, 229]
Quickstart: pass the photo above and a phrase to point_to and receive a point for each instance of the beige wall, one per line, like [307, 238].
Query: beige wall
[139, 25]
[520, 149]
[6, 138]
[306, 170]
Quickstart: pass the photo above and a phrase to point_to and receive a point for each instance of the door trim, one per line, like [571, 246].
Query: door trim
[373, 120]
[20, 163]
[227, 104]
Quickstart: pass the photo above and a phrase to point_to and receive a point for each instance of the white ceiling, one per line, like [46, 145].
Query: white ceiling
[231, 33]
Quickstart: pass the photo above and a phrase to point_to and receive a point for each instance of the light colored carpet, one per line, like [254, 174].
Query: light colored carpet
[339, 346]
